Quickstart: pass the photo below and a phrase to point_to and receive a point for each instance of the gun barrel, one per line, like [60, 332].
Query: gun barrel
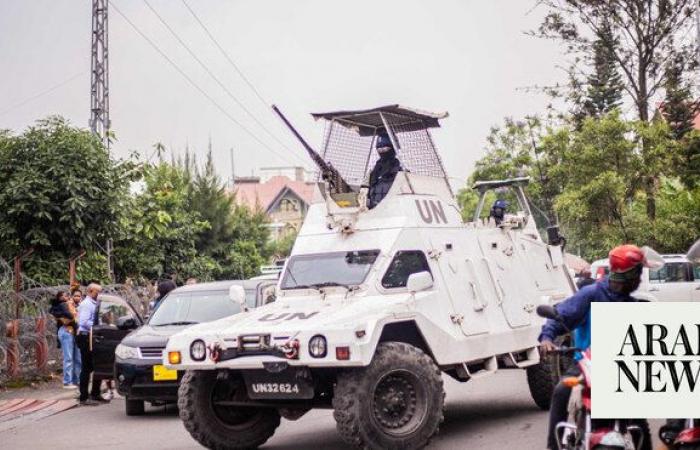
[315, 156]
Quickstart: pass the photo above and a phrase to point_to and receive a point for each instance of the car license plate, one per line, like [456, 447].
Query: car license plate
[285, 385]
[162, 373]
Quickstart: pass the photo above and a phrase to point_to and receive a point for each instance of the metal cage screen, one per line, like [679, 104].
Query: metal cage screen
[354, 156]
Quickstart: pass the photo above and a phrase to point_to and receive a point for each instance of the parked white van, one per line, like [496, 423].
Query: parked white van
[677, 281]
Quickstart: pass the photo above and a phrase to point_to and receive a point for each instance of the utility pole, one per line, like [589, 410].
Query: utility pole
[99, 81]
[99, 89]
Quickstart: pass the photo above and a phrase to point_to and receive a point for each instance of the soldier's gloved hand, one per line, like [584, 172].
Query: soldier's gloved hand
[547, 347]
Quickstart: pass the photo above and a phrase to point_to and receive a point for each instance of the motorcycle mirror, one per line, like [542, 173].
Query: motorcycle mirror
[548, 312]
[652, 259]
[693, 254]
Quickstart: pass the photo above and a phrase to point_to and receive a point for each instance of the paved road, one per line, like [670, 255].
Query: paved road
[493, 413]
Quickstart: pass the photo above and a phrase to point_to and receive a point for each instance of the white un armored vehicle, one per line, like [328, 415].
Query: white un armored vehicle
[373, 305]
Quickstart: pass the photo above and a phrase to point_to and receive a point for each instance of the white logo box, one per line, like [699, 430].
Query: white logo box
[648, 389]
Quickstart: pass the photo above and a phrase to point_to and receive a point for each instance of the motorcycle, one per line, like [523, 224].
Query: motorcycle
[687, 439]
[582, 432]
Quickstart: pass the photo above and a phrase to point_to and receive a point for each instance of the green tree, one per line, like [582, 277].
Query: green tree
[639, 35]
[604, 84]
[208, 197]
[60, 192]
[679, 107]
[160, 231]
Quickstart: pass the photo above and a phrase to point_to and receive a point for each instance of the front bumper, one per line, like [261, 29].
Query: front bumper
[134, 378]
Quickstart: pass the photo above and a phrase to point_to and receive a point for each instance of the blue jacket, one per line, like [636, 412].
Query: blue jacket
[576, 313]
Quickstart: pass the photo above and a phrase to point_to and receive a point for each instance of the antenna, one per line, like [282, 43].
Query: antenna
[233, 171]
[99, 81]
[99, 90]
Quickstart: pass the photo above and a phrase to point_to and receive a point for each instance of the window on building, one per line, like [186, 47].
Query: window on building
[289, 205]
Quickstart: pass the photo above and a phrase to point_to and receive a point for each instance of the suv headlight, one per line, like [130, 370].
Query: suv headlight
[125, 352]
[318, 347]
[198, 350]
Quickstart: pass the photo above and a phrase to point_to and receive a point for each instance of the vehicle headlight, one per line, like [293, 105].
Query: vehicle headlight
[318, 347]
[125, 352]
[198, 350]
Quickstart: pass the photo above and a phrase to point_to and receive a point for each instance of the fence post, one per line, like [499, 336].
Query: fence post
[12, 334]
[72, 261]
[13, 327]
[41, 346]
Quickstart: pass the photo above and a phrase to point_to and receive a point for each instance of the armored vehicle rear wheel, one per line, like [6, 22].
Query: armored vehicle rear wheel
[202, 401]
[394, 403]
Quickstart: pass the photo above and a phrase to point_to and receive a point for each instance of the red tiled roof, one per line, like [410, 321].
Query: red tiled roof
[261, 195]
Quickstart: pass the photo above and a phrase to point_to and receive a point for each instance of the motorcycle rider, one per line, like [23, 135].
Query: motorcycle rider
[626, 263]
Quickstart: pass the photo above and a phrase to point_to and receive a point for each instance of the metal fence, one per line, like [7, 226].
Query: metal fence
[28, 334]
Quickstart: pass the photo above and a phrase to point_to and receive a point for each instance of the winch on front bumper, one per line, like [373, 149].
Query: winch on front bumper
[254, 350]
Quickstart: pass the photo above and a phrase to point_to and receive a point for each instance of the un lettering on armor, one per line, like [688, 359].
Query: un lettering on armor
[646, 360]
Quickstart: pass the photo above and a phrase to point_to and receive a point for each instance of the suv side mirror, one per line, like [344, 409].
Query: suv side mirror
[126, 323]
[237, 294]
[419, 281]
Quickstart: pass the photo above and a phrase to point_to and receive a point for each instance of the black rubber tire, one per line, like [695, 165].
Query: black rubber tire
[355, 391]
[134, 407]
[541, 380]
[200, 419]
[646, 432]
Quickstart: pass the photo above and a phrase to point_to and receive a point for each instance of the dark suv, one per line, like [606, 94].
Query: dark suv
[138, 367]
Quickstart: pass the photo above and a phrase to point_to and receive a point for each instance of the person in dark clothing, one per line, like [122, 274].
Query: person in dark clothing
[65, 314]
[626, 263]
[585, 279]
[385, 169]
[87, 314]
[164, 287]
[498, 211]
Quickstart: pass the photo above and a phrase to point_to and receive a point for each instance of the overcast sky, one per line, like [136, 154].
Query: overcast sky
[465, 57]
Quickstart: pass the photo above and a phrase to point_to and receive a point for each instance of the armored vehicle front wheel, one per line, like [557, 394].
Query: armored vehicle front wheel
[202, 400]
[394, 403]
[541, 379]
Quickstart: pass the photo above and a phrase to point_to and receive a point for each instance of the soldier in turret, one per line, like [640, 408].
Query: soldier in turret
[385, 169]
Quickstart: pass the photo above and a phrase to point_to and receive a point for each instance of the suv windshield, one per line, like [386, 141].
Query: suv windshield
[188, 308]
[328, 269]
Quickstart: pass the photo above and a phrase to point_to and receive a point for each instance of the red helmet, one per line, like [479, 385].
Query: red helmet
[625, 258]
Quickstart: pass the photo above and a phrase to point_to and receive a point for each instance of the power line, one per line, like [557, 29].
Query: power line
[42, 93]
[195, 85]
[226, 55]
[214, 77]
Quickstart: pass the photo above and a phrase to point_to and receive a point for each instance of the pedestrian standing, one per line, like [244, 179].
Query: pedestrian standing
[87, 312]
[164, 287]
[65, 315]
[74, 303]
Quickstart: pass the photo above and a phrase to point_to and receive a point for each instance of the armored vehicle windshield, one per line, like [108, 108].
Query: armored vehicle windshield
[328, 269]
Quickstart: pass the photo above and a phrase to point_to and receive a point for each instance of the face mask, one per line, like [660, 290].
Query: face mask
[384, 150]
[624, 287]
